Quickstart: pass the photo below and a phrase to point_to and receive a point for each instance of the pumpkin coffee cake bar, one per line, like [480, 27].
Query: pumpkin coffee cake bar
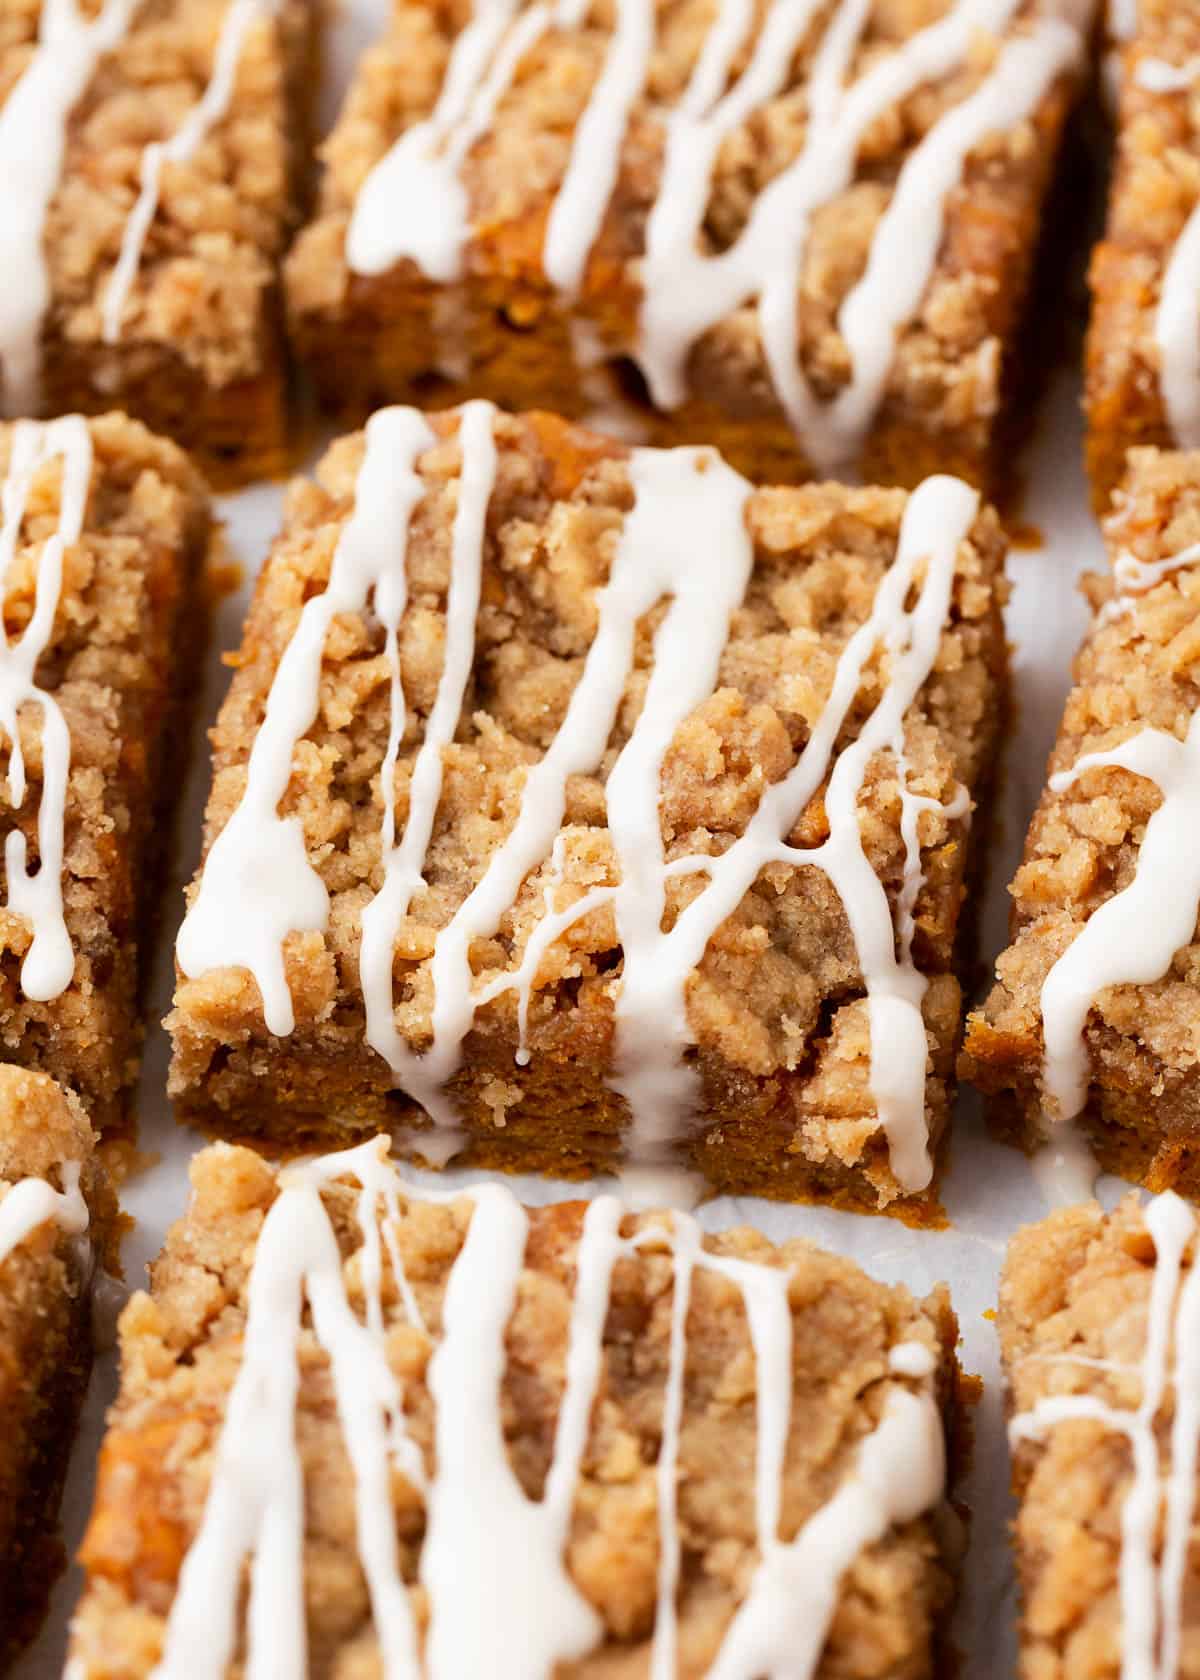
[1143, 348]
[454, 1437]
[151, 155]
[1091, 1023]
[57, 1226]
[1100, 1332]
[575, 805]
[803, 233]
[104, 532]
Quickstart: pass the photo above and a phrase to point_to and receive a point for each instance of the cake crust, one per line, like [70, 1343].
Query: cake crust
[776, 1007]
[184, 1345]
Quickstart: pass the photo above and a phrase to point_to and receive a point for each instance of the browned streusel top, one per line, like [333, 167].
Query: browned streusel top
[223, 218]
[1074, 1308]
[108, 666]
[948, 356]
[182, 1347]
[772, 970]
[1138, 669]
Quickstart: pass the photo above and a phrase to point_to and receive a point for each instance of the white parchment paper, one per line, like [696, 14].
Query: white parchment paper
[990, 1190]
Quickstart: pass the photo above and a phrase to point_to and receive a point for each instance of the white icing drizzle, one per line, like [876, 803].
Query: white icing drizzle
[49, 963]
[1151, 1591]
[685, 542]
[1064, 1167]
[1157, 76]
[421, 171]
[404, 862]
[211, 109]
[591, 176]
[1133, 578]
[686, 292]
[906, 242]
[781, 1628]
[31, 1203]
[1132, 937]
[33, 138]
[912, 806]
[1177, 321]
[258, 884]
[686, 537]
[493, 1564]
[1177, 335]
[1122, 19]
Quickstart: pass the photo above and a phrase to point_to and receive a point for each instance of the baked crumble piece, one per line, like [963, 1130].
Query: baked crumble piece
[1092, 1019]
[57, 1224]
[804, 236]
[679, 778]
[514, 1441]
[1143, 347]
[157, 151]
[1098, 1327]
[104, 533]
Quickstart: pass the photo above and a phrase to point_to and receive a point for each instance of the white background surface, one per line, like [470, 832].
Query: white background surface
[990, 1190]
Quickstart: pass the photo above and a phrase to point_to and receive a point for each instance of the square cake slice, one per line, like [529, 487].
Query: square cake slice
[801, 233]
[152, 154]
[57, 1225]
[450, 1436]
[1100, 1334]
[104, 531]
[1143, 348]
[575, 805]
[1091, 1026]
